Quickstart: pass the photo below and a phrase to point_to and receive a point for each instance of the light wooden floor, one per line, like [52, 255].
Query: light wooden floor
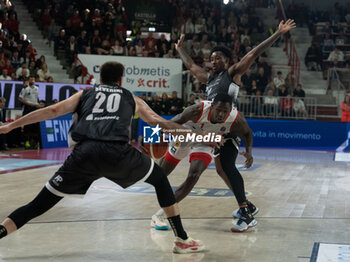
[303, 198]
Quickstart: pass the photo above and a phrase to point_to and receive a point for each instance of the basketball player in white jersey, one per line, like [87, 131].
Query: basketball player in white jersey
[214, 117]
[226, 79]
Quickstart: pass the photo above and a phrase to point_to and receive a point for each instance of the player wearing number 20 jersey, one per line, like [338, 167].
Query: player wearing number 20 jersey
[106, 123]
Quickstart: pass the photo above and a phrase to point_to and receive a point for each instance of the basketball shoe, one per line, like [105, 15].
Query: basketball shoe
[253, 210]
[245, 222]
[159, 222]
[187, 246]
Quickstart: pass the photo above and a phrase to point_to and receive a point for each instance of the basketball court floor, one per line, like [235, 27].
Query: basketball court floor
[303, 198]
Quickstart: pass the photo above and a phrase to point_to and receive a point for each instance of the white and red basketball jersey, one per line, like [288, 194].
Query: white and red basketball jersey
[203, 122]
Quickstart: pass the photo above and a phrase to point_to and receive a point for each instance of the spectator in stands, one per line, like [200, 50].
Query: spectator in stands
[117, 49]
[71, 49]
[150, 48]
[257, 105]
[270, 103]
[32, 51]
[271, 86]
[261, 79]
[16, 61]
[345, 109]
[336, 56]
[161, 41]
[50, 79]
[43, 73]
[188, 27]
[53, 32]
[39, 62]
[251, 90]
[244, 103]
[83, 43]
[313, 58]
[22, 71]
[299, 92]
[150, 38]
[267, 68]
[175, 104]
[3, 144]
[13, 76]
[328, 44]
[60, 42]
[289, 81]
[283, 91]
[191, 100]
[278, 80]
[104, 48]
[165, 104]
[9, 67]
[299, 108]
[139, 48]
[287, 106]
[247, 79]
[4, 76]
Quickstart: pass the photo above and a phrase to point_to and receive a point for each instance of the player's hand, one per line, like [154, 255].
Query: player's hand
[5, 128]
[180, 42]
[284, 27]
[249, 159]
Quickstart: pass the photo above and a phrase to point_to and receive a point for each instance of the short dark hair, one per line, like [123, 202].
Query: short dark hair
[279, 73]
[111, 72]
[222, 97]
[223, 49]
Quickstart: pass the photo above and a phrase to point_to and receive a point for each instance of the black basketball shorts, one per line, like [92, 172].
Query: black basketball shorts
[91, 160]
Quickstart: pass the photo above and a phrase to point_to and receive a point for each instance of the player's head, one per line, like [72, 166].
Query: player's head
[220, 108]
[111, 73]
[220, 57]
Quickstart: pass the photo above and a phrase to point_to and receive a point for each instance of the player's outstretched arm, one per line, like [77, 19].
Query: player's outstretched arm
[242, 66]
[242, 129]
[196, 70]
[67, 106]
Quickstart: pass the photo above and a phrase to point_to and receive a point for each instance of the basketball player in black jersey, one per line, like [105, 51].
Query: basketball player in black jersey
[102, 150]
[226, 79]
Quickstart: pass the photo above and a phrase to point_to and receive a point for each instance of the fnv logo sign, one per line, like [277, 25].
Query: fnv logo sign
[57, 130]
[54, 132]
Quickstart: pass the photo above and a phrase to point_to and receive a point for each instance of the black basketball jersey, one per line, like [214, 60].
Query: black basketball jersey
[222, 83]
[104, 113]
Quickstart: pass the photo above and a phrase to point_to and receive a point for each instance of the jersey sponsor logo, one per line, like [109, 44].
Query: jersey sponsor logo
[151, 134]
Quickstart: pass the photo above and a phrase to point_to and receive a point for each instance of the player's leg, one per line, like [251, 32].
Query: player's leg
[71, 178]
[236, 213]
[44, 201]
[199, 162]
[183, 243]
[175, 154]
[228, 155]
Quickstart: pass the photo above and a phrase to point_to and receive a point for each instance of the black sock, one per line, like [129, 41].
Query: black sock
[176, 225]
[3, 231]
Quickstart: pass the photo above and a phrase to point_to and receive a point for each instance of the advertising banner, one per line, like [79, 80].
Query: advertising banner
[313, 135]
[54, 132]
[145, 74]
[47, 91]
